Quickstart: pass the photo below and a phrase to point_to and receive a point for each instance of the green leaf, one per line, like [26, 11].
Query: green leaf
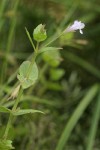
[23, 71]
[56, 74]
[6, 145]
[45, 49]
[39, 33]
[53, 58]
[26, 111]
[4, 109]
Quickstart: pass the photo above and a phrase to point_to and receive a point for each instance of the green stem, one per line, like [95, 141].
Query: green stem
[18, 99]
[54, 39]
[30, 39]
[21, 90]
[32, 62]
[37, 47]
[34, 55]
[11, 116]
[8, 126]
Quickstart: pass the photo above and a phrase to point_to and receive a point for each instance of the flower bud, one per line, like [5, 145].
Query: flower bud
[39, 33]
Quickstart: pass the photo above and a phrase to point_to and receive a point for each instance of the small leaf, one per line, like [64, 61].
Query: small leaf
[4, 109]
[53, 58]
[45, 49]
[54, 86]
[26, 111]
[39, 33]
[22, 76]
[56, 74]
[6, 145]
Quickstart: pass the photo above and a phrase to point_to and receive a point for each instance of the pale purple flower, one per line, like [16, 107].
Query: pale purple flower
[78, 25]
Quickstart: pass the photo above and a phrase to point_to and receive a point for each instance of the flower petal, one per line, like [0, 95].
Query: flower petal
[77, 25]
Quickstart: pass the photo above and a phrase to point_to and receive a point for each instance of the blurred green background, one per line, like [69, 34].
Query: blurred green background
[68, 85]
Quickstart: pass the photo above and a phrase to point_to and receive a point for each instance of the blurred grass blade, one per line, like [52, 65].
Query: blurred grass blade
[84, 64]
[76, 116]
[94, 125]
[12, 27]
[2, 7]
[35, 99]
[70, 13]
[9, 41]
[63, 23]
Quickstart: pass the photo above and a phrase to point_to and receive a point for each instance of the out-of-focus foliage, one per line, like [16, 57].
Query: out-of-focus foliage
[64, 81]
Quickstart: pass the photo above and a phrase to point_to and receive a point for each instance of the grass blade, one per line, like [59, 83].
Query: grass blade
[94, 125]
[9, 42]
[76, 116]
[2, 7]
